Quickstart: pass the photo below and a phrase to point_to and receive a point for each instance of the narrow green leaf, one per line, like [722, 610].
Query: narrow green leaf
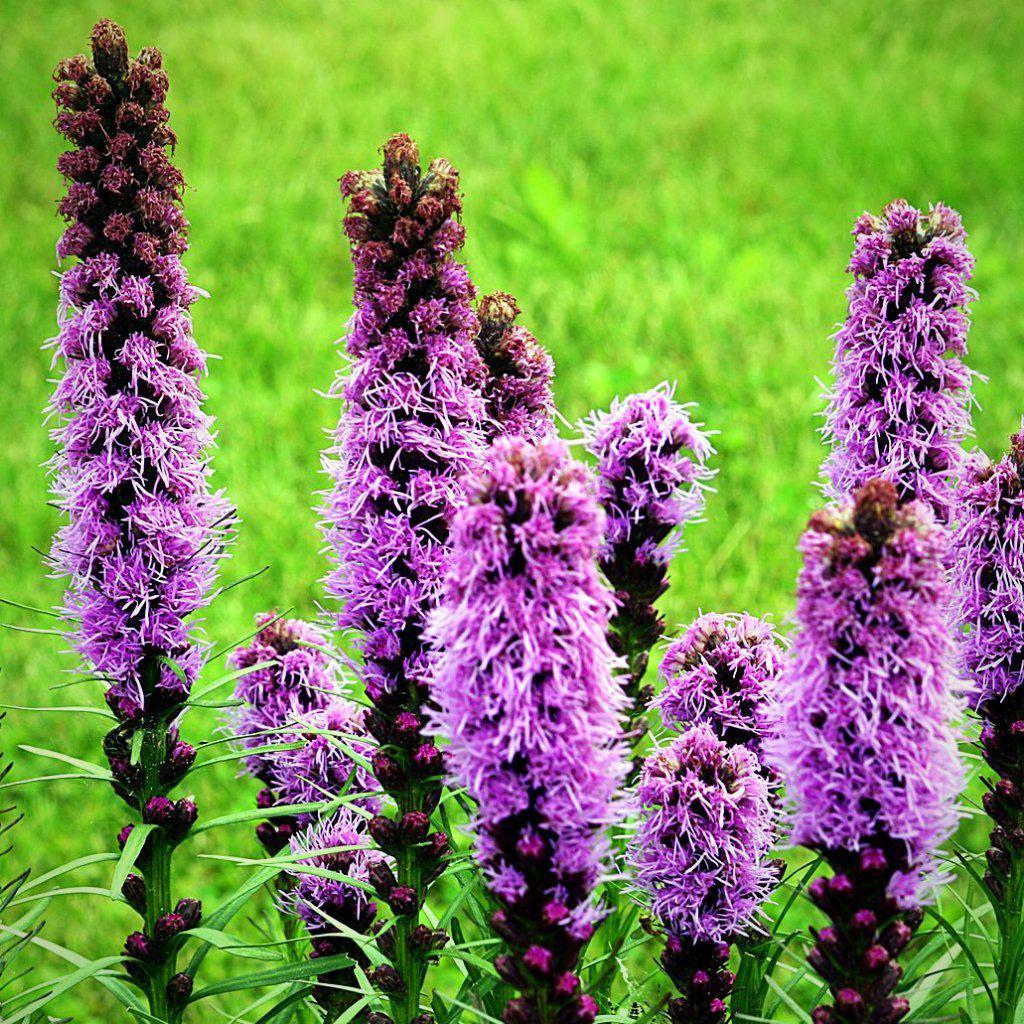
[64, 984]
[232, 944]
[76, 762]
[275, 976]
[64, 869]
[132, 848]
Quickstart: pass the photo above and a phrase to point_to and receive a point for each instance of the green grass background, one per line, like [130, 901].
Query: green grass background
[668, 188]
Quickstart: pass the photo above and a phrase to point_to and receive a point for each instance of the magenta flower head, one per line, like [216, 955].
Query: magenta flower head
[700, 858]
[866, 744]
[722, 672]
[988, 603]
[327, 905]
[297, 675]
[331, 761]
[526, 695]
[652, 471]
[518, 393]
[899, 407]
[144, 531]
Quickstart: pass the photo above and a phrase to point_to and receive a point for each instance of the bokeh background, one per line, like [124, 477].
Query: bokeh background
[668, 188]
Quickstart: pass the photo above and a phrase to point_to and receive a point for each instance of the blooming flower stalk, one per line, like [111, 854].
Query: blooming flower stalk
[988, 566]
[412, 425]
[722, 672]
[899, 407]
[526, 695]
[143, 531]
[310, 742]
[520, 402]
[866, 745]
[700, 857]
[309, 746]
[330, 907]
[652, 469]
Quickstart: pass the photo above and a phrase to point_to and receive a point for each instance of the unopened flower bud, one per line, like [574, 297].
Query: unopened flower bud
[414, 826]
[387, 979]
[133, 889]
[179, 988]
[403, 899]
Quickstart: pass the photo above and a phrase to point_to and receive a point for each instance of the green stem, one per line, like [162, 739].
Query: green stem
[157, 875]
[405, 1006]
[1010, 967]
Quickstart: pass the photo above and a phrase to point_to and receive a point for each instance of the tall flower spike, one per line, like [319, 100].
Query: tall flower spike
[338, 844]
[652, 468]
[722, 672]
[700, 857]
[527, 698]
[988, 603]
[899, 407]
[144, 531]
[866, 744]
[412, 425]
[310, 741]
[289, 673]
[518, 392]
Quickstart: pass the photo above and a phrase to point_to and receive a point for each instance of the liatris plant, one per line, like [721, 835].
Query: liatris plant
[527, 697]
[308, 747]
[899, 408]
[144, 531]
[700, 858]
[411, 426]
[988, 566]
[866, 745]
[519, 373]
[722, 672]
[336, 913]
[652, 468]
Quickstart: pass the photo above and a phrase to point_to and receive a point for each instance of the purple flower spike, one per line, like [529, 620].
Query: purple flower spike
[652, 470]
[338, 844]
[413, 424]
[323, 767]
[899, 407]
[722, 672]
[700, 856]
[526, 695]
[866, 744]
[988, 603]
[518, 393]
[144, 531]
[299, 676]
[706, 826]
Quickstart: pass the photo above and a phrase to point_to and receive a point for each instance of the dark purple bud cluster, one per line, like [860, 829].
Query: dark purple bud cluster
[1002, 746]
[699, 969]
[857, 953]
[151, 950]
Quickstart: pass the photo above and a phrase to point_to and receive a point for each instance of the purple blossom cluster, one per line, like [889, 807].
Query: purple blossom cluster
[866, 743]
[652, 471]
[310, 746]
[517, 392]
[329, 906]
[705, 830]
[700, 856]
[144, 531]
[526, 695]
[988, 603]
[310, 741]
[722, 672]
[899, 408]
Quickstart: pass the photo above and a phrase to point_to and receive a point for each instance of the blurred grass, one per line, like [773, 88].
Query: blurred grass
[667, 188]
